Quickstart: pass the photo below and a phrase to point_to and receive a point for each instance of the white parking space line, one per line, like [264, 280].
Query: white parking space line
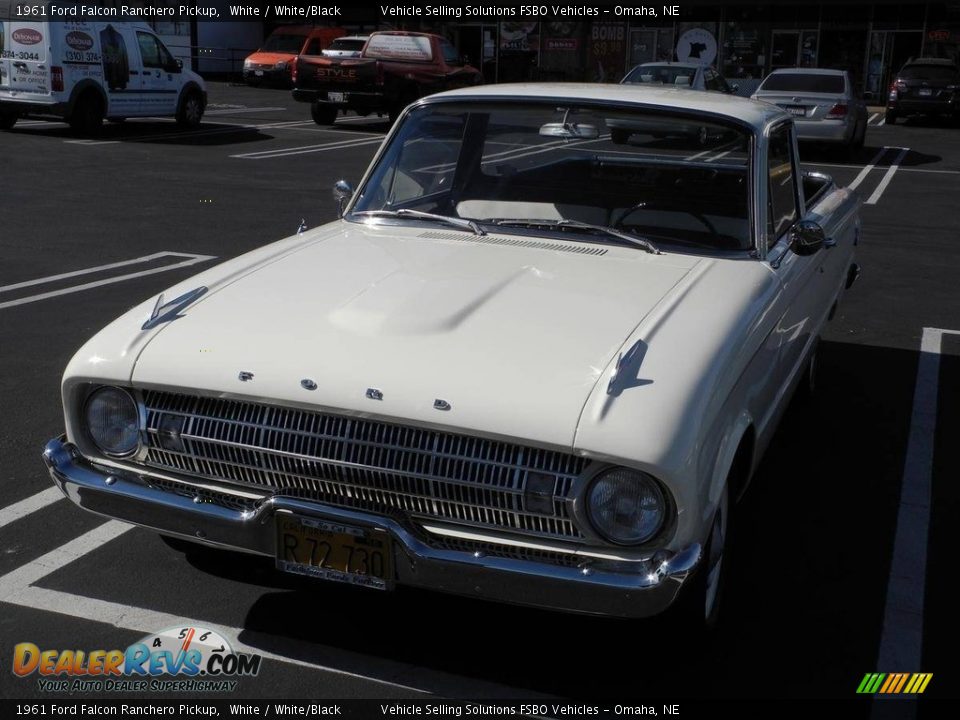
[18, 580]
[231, 111]
[872, 118]
[190, 260]
[867, 168]
[229, 127]
[305, 149]
[902, 169]
[888, 176]
[21, 509]
[882, 121]
[87, 271]
[901, 641]
[17, 588]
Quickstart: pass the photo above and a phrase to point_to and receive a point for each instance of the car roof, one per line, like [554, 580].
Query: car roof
[930, 61]
[751, 112]
[364, 38]
[806, 71]
[670, 63]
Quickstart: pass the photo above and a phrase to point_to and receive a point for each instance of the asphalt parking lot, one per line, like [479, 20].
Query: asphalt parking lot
[89, 228]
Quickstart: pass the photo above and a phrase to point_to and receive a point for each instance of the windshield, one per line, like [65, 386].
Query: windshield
[804, 82]
[661, 74]
[664, 177]
[284, 43]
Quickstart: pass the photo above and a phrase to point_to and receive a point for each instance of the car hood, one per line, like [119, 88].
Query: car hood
[510, 333]
[271, 58]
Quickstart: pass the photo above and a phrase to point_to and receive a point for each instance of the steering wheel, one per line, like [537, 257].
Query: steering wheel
[667, 205]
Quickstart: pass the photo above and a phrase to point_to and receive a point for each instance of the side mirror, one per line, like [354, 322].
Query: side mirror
[180, 63]
[807, 238]
[734, 88]
[342, 192]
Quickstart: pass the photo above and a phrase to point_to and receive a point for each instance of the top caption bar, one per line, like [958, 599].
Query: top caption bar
[334, 13]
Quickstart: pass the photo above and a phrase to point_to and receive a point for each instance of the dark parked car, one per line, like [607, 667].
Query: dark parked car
[925, 85]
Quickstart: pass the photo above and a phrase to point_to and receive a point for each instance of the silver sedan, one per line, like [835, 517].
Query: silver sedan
[822, 102]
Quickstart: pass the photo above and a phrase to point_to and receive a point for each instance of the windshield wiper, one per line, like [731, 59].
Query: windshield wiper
[637, 240]
[462, 223]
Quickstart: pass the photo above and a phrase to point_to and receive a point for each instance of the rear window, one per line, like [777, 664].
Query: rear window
[661, 75]
[414, 48]
[352, 45]
[804, 82]
[928, 72]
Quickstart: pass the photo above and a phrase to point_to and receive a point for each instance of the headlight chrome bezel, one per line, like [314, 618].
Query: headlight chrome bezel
[96, 391]
[661, 494]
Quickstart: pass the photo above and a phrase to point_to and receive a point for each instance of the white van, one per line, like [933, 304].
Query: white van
[83, 72]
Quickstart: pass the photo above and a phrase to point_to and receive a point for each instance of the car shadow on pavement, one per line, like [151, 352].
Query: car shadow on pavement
[813, 153]
[806, 589]
[928, 121]
[160, 131]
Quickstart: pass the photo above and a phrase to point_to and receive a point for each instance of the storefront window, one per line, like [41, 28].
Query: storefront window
[745, 49]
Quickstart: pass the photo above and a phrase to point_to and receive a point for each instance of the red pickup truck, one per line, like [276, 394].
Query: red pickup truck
[394, 69]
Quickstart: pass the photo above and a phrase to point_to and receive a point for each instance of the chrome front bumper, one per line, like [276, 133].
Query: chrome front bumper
[625, 589]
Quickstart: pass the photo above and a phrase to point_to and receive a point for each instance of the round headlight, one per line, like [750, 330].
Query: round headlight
[112, 421]
[626, 506]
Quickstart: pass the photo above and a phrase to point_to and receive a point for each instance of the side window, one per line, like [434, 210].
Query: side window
[782, 210]
[450, 54]
[313, 47]
[150, 50]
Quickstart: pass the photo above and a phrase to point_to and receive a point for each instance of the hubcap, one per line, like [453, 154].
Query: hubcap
[193, 110]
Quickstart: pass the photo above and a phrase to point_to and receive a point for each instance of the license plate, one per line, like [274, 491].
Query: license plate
[336, 97]
[795, 110]
[925, 92]
[332, 551]
[258, 73]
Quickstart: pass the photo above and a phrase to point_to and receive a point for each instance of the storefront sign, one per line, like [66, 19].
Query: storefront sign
[697, 45]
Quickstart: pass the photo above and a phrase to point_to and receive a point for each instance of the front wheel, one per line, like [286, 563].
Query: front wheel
[323, 114]
[699, 604]
[190, 112]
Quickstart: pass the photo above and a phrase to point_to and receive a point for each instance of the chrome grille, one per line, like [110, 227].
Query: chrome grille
[390, 469]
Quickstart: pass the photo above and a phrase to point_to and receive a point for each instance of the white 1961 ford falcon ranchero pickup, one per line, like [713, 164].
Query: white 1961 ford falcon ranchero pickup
[529, 362]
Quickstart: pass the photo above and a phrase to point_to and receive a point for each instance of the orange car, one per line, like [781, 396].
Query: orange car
[274, 61]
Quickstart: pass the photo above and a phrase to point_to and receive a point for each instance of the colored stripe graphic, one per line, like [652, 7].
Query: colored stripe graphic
[894, 683]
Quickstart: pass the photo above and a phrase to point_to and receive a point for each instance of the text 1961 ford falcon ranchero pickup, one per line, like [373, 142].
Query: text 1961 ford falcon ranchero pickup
[527, 363]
